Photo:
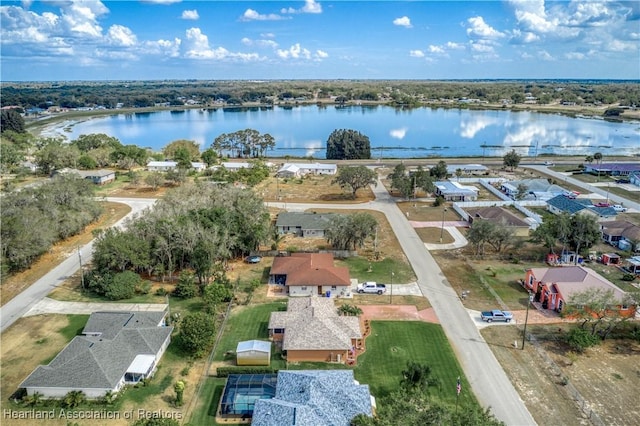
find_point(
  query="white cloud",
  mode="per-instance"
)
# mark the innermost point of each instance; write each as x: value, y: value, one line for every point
x: 454, y: 46
x: 81, y: 17
x: 435, y: 49
x: 398, y: 133
x: 482, y: 46
x: 169, y: 48
x: 294, y: 52
x: 310, y: 6
x: 196, y: 46
x: 525, y: 37
x: 416, y: 53
x: 190, y: 15
x: 543, y: 55
x: 575, y: 56
x: 321, y: 54
x: 121, y: 36
x: 479, y: 28
x: 260, y: 42
x: 252, y: 15
x: 402, y: 22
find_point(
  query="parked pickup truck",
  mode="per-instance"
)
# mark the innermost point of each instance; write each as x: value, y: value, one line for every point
x: 496, y: 315
x: 372, y: 287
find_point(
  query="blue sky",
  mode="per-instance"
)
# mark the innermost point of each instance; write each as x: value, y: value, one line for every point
x: 313, y: 39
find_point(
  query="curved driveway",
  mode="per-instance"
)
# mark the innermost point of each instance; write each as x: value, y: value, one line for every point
x: 22, y: 303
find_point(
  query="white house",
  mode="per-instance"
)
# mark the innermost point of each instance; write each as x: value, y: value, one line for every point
x: 163, y: 166
x: 115, y: 349
x: 303, y: 169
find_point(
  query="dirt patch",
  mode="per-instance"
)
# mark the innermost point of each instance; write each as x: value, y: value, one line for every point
x: 16, y: 283
x: 25, y: 345
x: 607, y: 377
x: 397, y: 313
x: 309, y: 189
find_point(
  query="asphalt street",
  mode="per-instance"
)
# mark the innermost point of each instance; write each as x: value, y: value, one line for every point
x: 485, y: 375
x: 488, y: 380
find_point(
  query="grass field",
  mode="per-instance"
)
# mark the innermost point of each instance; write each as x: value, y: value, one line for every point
x: 393, y: 343
x: 246, y: 323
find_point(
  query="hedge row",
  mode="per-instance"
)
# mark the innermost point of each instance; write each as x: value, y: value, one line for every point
x: 225, y: 371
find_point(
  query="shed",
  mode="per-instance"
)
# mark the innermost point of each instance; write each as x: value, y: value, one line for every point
x: 610, y: 259
x: 253, y: 352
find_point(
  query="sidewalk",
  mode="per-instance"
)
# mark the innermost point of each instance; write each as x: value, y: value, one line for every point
x: 51, y: 306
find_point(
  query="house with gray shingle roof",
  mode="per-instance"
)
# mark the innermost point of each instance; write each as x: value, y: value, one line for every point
x: 303, y: 224
x: 563, y: 204
x: 537, y: 189
x: 314, y: 398
x: 614, y: 232
x: 454, y: 191
x: 115, y: 349
x: 312, y: 330
x: 500, y: 217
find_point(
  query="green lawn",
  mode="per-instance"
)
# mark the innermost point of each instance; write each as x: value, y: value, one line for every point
x: 246, y: 323
x: 210, y: 394
x: 393, y: 343
x: 380, y: 271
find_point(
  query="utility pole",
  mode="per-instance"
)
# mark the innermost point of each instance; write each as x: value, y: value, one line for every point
x: 81, y: 269
x: 526, y: 318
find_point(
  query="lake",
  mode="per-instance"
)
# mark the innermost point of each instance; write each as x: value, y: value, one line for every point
x: 394, y: 133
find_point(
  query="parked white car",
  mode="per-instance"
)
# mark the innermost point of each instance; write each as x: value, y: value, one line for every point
x: 619, y: 209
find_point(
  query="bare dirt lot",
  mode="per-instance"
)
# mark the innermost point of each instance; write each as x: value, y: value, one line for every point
x: 309, y: 189
x: 607, y: 377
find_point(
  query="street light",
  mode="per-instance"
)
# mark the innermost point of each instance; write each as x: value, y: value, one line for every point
x: 526, y: 318
x: 442, y: 227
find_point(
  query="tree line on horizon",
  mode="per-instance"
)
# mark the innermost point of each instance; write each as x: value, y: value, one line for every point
x: 141, y: 94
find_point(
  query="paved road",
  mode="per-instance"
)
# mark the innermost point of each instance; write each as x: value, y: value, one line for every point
x: 485, y: 375
x: 22, y: 303
x: 488, y: 380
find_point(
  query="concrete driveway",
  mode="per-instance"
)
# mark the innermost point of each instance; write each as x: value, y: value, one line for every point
x: 52, y: 306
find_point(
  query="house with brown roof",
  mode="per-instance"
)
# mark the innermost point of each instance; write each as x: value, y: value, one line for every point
x: 554, y: 287
x: 308, y: 274
x: 501, y: 217
x: 312, y: 330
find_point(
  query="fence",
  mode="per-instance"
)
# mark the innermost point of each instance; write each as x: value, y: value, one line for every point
x: 567, y: 386
x: 338, y: 254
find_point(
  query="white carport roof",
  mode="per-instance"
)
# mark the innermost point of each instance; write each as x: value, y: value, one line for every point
x: 141, y: 364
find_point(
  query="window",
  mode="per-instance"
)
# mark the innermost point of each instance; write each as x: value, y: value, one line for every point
x: 333, y: 287
x: 303, y: 288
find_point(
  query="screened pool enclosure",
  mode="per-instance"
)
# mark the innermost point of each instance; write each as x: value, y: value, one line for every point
x: 243, y: 390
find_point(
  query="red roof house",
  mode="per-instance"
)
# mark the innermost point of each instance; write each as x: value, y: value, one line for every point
x: 306, y: 274
x: 554, y: 287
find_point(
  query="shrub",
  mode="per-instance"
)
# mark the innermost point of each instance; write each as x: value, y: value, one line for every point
x: 225, y: 371
x: 580, y: 339
x: 628, y: 277
x: 123, y: 286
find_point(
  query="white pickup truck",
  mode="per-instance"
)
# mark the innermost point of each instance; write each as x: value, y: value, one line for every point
x: 372, y: 287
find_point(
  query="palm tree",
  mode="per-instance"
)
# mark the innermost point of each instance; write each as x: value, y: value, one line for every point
x: 598, y: 157
x: 73, y: 399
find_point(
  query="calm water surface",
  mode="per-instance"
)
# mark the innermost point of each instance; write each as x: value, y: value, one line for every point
x: 422, y: 132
